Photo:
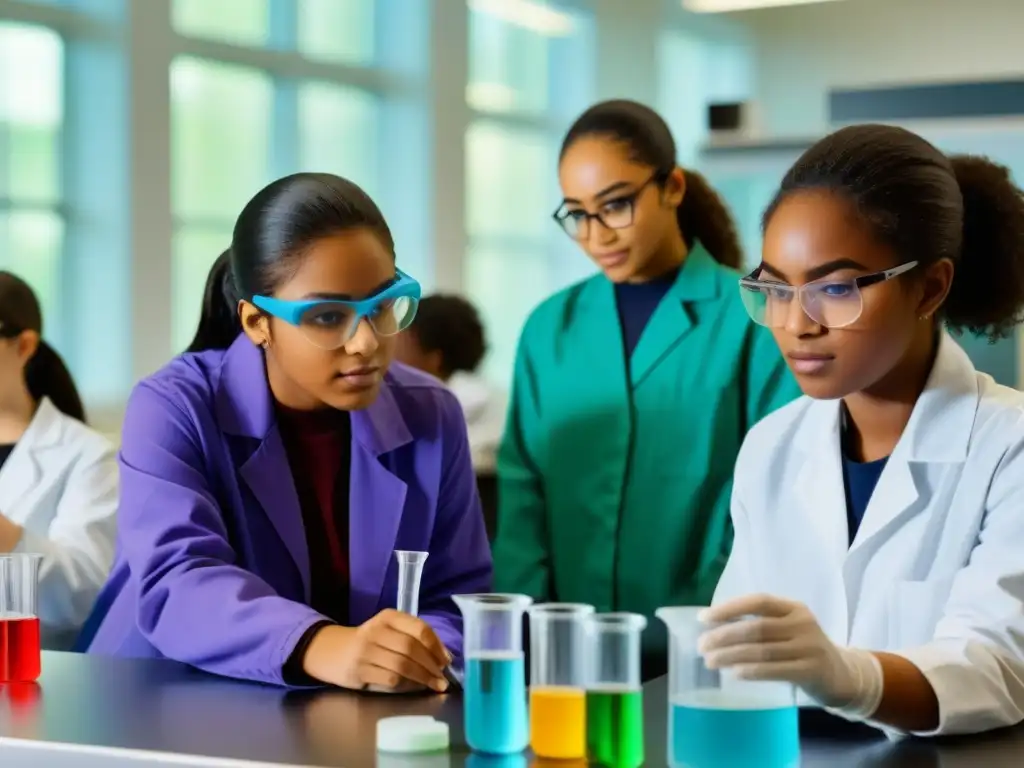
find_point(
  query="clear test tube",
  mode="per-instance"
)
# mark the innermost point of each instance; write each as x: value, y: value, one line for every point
x: 615, y: 699
x: 410, y: 571
x: 716, y: 718
x: 558, y: 678
x: 20, y: 642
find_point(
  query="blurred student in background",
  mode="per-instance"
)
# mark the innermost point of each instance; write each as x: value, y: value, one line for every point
x: 58, y: 478
x: 270, y: 473
x: 446, y: 339
x: 633, y: 389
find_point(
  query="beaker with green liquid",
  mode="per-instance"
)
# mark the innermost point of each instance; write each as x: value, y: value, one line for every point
x: 615, y: 699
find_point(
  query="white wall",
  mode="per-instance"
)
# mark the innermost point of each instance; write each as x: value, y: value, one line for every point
x: 803, y: 51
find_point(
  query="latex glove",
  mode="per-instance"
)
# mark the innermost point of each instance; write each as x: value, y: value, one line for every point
x: 760, y: 637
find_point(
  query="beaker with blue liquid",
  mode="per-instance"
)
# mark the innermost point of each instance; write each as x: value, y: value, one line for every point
x: 716, y: 719
x: 494, y: 686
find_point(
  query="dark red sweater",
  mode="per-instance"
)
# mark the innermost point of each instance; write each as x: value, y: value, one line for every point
x: 319, y: 450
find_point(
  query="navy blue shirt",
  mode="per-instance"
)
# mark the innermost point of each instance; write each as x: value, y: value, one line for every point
x: 860, y: 479
x: 636, y: 303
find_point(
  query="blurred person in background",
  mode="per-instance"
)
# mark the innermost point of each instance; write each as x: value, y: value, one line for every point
x: 446, y: 339
x: 58, y: 477
x: 270, y: 472
x: 634, y: 389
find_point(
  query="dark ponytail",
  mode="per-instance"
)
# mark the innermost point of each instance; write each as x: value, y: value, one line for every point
x: 702, y: 215
x: 45, y: 372
x: 272, y: 232
x: 219, y: 325
x: 47, y: 376
x: 927, y: 206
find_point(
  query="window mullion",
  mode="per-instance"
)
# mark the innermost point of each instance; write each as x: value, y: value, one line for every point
x: 284, y: 130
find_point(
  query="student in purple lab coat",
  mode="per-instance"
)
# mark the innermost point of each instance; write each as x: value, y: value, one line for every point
x: 269, y: 473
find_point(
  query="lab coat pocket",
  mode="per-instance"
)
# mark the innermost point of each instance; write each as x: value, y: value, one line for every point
x: 916, y: 609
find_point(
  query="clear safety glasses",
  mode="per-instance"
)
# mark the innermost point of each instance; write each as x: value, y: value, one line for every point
x: 331, y: 323
x: 828, y: 302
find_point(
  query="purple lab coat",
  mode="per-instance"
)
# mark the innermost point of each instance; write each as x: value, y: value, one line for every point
x: 212, y: 566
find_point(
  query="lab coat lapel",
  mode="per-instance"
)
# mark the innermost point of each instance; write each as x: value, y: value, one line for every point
x: 22, y: 470
x: 893, y: 496
x: 820, y: 487
x: 376, y: 500
x: 674, y: 318
x: 244, y: 408
x: 595, y: 343
x: 267, y: 474
x: 939, y: 431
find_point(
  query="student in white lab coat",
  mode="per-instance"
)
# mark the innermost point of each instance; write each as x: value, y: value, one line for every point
x: 447, y: 340
x: 58, y: 478
x: 878, y: 561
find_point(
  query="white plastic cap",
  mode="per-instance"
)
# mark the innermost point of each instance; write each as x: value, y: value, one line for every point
x: 411, y: 734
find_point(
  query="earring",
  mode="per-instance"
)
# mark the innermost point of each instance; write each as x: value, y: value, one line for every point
x: 265, y: 344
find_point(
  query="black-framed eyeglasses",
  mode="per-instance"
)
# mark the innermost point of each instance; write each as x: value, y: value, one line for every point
x: 614, y: 213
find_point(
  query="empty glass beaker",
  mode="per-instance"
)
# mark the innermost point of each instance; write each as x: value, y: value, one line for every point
x: 20, y: 655
x: 615, y: 699
x: 410, y: 571
x: 494, y: 686
x: 716, y: 719
x: 558, y: 680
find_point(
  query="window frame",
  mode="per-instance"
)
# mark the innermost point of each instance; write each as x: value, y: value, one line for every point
x: 568, y: 95
x: 288, y: 69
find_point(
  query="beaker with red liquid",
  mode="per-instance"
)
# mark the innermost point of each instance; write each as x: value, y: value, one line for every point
x: 20, y: 651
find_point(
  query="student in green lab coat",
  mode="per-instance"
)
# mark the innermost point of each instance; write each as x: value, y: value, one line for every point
x: 633, y: 389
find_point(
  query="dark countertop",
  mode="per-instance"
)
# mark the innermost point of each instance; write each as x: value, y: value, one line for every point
x: 163, y: 706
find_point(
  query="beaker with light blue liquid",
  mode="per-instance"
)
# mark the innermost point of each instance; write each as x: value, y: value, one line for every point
x: 716, y: 719
x: 494, y: 685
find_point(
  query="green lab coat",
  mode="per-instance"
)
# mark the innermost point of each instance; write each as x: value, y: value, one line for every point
x: 614, y: 479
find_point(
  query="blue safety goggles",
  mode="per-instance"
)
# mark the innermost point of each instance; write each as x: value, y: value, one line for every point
x: 331, y: 323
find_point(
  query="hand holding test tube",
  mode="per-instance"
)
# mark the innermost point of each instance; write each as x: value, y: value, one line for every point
x: 410, y: 571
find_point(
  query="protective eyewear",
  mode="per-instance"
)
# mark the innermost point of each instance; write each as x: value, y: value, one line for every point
x: 615, y: 213
x: 331, y: 323
x: 829, y: 303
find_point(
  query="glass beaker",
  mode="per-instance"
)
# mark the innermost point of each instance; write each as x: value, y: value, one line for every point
x: 558, y: 680
x: 494, y: 687
x: 20, y: 654
x: 716, y: 719
x: 410, y: 571
x: 615, y: 699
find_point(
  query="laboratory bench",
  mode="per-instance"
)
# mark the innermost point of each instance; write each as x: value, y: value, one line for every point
x: 97, y: 712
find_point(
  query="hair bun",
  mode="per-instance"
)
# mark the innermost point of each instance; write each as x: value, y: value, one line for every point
x: 992, y: 249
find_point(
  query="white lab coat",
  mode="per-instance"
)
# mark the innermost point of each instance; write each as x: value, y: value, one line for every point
x: 936, y: 572
x: 60, y: 484
x: 485, y: 409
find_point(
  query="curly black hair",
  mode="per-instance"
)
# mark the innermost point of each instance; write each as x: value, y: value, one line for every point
x: 450, y: 325
x: 928, y: 206
x: 703, y: 214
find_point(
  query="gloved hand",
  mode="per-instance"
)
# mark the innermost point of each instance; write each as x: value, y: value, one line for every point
x: 760, y: 637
